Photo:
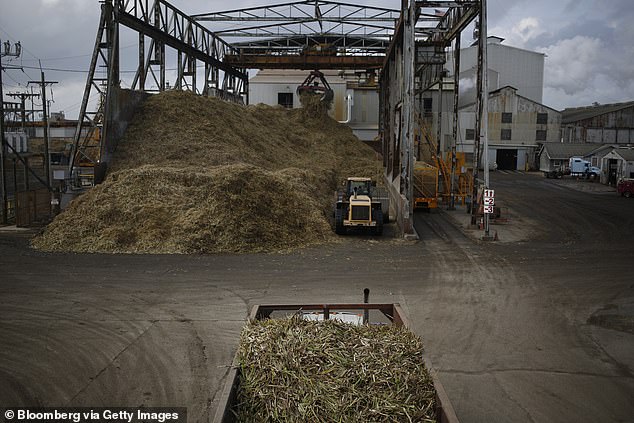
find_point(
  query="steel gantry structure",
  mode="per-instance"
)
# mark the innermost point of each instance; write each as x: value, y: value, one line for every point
x: 164, y: 25
x: 406, y: 46
x: 416, y: 62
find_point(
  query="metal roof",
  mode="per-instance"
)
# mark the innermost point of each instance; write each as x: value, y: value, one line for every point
x: 626, y: 153
x: 498, y: 92
x: 558, y: 150
x: 582, y: 113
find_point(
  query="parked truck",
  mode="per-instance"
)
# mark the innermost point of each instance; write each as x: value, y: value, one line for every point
x: 576, y: 167
x: 583, y: 168
x: 625, y: 187
x: 555, y: 172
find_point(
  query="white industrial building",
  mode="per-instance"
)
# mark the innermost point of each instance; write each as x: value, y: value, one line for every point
x: 355, y: 103
x: 507, y: 66
x: 517, y: 127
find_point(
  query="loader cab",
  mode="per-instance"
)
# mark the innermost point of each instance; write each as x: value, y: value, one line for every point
x: 360, y: 186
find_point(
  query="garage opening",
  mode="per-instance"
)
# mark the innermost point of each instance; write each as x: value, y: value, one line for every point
x: 506, y: 159
x: 613, y: 165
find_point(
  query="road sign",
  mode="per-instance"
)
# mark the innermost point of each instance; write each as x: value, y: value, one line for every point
x: 489, y: 201
x: 488, y: 209
x: 489, y: 193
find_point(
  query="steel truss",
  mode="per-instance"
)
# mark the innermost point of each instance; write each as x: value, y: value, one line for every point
x: 278, y: 36
x: 164, y: 26
x: 304, y: 18
x: 415, y: 62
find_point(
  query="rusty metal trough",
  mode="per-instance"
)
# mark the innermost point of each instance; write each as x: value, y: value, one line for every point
x: 387, y: 313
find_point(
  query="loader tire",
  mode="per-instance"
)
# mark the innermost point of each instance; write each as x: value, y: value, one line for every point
x: 339, y: 228
x: 378, y: 218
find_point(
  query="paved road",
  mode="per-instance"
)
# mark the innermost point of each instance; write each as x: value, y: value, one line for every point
x: 519, y: 345
x: 541, y: 330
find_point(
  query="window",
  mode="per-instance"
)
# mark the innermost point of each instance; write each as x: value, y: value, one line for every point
x: 285, y: 99
x: 427, y: 105
x: 540, y: 135
x: 542, y: 118
x: 505, y: 134
x: 470, y: 134
x: 507, y: 117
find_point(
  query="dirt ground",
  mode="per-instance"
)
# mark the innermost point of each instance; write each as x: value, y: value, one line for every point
x: 536, y: 329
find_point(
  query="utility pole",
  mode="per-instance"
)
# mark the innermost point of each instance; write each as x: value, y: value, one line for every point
x: 456, y: 87
x: 5, y: 50
x: 23, y: 97
x: 47, y: 159
x: 481, y: 145
x: 439, y: 128
x: 485, y: 108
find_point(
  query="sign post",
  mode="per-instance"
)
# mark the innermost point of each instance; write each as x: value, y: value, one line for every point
x: 488, y: 203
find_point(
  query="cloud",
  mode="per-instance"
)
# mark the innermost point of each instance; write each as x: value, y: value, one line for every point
x: 523, y: 33
x: 588, y: 42
x: 526, y: 30
x: 573, y: 63
x: 582, y: 70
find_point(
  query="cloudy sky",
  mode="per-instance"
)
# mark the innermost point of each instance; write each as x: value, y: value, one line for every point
x: 588, y: 43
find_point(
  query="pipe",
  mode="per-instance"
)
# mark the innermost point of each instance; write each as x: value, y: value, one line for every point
x: 349, y: 103
x: 366, y: 312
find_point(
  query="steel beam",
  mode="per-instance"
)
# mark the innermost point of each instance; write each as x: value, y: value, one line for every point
x: 82, y: 144
x: 305, y: 62
x: 205, y: 55
x: 349, y: 44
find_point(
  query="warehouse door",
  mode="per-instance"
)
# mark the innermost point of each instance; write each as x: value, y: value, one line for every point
x: 613, y: 166
x: 506, y: 159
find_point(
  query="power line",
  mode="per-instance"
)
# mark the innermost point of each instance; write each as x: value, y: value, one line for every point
x: 57, y: 69
x: 85, y: 71
x: 52, y: 59
x: 11, y: 78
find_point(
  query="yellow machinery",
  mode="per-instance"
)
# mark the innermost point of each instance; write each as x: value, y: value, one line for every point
x: 463, y: 182
x: 425, y: 186
x: 463, y: 187
x: 356, y: 208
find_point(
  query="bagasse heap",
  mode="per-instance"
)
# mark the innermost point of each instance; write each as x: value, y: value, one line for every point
x: 200, y: 175
x: 294, y: 370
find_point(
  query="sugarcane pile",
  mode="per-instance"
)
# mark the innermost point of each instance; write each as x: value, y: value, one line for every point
x: 294, y: 370
x: 200, y: 175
